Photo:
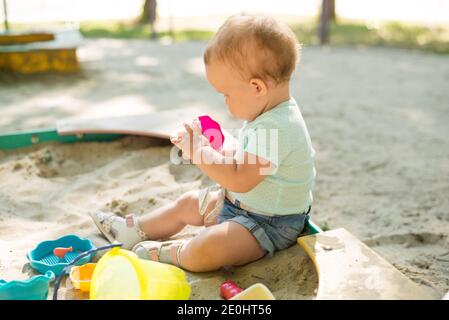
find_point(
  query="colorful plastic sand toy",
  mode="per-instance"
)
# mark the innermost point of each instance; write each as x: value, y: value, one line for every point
x: 61, y: 252
x: 257, y: 291
x: 120, y: 274
x: 45, y: 258
x: 212, y: 130
x: 35, y: 288
x: 75, y: 262
x: 229, y: 289
x: 81, y: 276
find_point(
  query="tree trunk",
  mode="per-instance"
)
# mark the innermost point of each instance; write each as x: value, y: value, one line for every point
x: 5, y: 11
x: 323, y: 28
x: 149, y: 12
x: 332, y: 15
x: 149, y: 15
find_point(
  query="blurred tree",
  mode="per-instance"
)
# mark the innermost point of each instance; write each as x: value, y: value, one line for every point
x: 332, y: 15
x: 327, y: 15
x: 149, y: 15
x: 5, y: 11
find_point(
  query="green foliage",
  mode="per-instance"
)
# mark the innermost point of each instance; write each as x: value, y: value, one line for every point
x: 138, y: 31
x: 388, y: 34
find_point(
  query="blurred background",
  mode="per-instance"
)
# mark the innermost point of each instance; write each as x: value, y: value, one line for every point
x: 411, y: 24
x: 372, y: 86
x: 113, y: 52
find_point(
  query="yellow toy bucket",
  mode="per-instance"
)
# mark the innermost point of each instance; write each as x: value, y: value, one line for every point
x: 120, y: 274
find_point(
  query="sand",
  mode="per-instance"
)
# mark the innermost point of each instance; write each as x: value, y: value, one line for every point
x: 58, y: 185
x: 378, y: 121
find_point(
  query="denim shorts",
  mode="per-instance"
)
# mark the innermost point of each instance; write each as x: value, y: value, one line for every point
x: 272, y: 232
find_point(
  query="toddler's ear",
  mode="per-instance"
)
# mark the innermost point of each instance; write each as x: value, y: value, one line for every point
x: 259, y: 86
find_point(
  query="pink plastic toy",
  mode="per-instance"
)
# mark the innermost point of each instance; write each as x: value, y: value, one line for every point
x: 212, y: 130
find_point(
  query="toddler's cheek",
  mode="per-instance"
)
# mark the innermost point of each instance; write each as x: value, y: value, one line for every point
x: 236, y: 111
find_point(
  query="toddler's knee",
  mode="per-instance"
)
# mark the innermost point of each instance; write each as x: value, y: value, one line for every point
x: 211, y: 246
x: 188, y: 199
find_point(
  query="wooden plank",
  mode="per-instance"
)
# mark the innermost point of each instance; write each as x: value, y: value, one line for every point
x: 9, y: 39
x: 160, y: 124
x: 63, y: 39
x: 28, y: 57
x: 348, y: 269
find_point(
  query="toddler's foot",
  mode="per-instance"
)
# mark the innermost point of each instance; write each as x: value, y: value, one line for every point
x: 114, y: 228
x: 160, y: 251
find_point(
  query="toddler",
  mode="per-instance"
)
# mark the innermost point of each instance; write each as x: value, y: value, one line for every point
x: 264, y: 186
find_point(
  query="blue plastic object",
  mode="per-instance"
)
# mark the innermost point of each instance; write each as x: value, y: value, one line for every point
x: 35, y: 288
x: 42, y: 258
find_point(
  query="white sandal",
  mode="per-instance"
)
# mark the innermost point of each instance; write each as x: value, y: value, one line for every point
x: 105, y: 220
x: 160, y: 251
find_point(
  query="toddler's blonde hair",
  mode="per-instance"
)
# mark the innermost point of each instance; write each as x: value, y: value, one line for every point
x: 258, y: 46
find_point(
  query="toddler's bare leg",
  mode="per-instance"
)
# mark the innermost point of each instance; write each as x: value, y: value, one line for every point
x: 225, y: 244
x: 168, y: 220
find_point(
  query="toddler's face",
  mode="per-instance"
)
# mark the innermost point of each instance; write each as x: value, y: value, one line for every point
x: 241, y: 98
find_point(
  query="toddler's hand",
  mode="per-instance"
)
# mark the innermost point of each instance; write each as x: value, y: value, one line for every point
x: 191, y: 140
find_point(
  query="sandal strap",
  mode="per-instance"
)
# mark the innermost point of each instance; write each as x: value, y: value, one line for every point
x: 131, y: 222
x: 165, y: 252
x: 153, y: 254
x: 174, y: 252
x: 107, y: 219
x: 107, y: 223
x: 152, y: 248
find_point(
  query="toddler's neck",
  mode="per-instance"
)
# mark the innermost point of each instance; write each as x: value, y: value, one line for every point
x: 278, y: 94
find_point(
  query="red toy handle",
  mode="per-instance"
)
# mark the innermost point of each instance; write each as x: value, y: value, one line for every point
x: 228, y: 289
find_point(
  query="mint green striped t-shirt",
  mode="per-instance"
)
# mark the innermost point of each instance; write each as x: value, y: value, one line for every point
x: 280, y: 136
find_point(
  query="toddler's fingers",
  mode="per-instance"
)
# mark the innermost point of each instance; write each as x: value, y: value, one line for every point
x: 196, y: 127
x: 188, y: 128
x: 175, y: 140
x: 204, y: 141
x: 179, y: 136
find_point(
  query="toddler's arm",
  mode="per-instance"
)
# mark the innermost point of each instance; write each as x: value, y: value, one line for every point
x: 221, y: 166
x: 229, y: 150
